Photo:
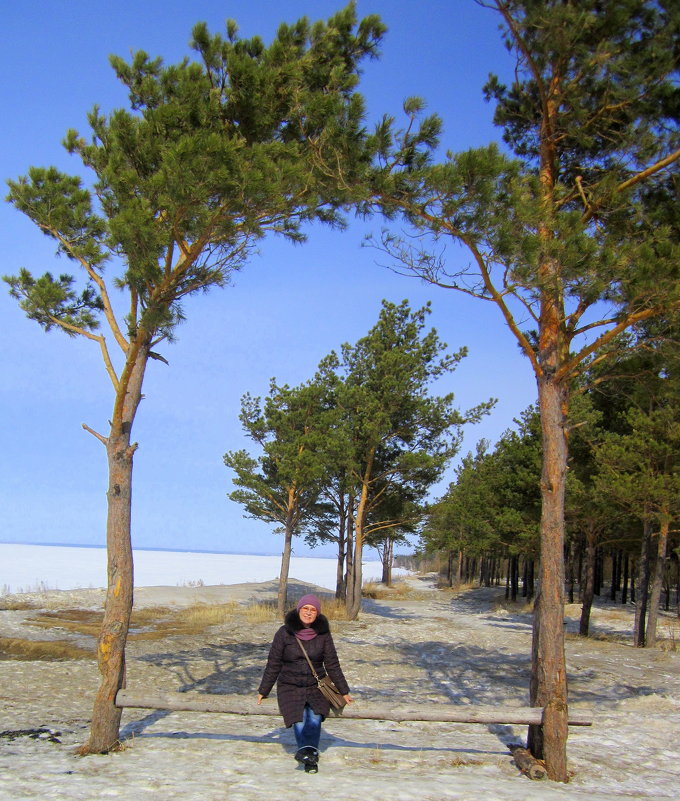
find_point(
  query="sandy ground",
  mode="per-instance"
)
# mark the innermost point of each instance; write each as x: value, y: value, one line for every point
x: 438, y: 648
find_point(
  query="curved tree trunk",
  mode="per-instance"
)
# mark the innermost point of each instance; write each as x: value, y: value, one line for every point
x: 548, y: 687
x: 104, y: 731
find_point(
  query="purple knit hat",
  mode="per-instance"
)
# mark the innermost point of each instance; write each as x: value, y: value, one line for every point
x: 309, y: 600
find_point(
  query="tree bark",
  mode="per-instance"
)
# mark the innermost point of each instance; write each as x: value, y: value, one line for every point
x: 354, y: 591
x: 340, y: 580
x: 349, y: 549
x: 105, y: 727
x: 282, y: 595
x: 589, y: 585
x: 571, y: 571
x: 642, y: 594
x: 387, y: 558
x: 548, y: 686
x: 514, y: 577
x: 659, y: 561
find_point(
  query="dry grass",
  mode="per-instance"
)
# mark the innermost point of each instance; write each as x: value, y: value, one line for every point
x: 41, y: 650
x: 600, y: 636
x: 459, y: 762
x: 519, y: 607
x: 156, y: 623
x: 16, y: 604
x: 80, y: 621
x: 399, y: 591
x: 332, y: 608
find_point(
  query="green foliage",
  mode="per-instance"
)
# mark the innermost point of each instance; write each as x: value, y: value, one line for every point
x: 47, y: 301
x: 582, y: 214
x: 213, y: 153
x: 363, y: 439
x: 283, y: 484
x: 494, y: 505
x: 399, y: 434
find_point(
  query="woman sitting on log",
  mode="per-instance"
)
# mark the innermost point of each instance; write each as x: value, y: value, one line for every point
x: 301, y: 703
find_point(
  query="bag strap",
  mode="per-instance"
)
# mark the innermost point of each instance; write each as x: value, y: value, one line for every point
x: 309, y: 661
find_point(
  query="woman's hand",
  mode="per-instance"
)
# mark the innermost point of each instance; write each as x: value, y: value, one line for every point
x: 348, y: 699
x: 260, y: 698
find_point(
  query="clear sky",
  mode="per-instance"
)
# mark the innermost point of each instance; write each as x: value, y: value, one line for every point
x: 287, y: 309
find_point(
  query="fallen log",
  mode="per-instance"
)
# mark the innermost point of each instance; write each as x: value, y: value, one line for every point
x: 359, y: 710
x: 527, y: 762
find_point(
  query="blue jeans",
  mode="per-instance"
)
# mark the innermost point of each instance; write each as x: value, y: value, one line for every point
x: 308, y: 730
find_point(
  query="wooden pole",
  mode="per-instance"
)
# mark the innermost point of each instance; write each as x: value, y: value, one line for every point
x: 360, y: 710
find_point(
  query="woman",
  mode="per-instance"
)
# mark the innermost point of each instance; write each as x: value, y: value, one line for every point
x: 301, y: 703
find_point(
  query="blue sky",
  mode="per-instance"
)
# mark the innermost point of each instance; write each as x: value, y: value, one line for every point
x: 287, y: 309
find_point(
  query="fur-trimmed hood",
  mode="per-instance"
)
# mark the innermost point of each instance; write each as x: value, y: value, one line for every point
x: 293, y: 623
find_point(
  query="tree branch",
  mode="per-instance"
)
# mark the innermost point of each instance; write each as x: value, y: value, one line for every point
x: 95, y: 434
x: 95, y: 338
x: 99, y: 281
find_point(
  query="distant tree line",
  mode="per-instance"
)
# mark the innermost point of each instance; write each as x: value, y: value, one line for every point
x: 622, y: 502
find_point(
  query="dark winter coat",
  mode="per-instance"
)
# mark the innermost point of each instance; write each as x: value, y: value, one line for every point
x: 287, y: 666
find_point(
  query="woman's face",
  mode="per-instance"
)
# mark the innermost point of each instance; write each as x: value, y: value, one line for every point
x: 308, y: 614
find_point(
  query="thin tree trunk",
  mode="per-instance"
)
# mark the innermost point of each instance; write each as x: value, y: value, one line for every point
x: 624, y: 583
x: 658, y: 563
x: 340, y: 585
x: 282, y: 596
x: 571, y: 571
x: 548, y: 687
x: 354, y: 592
x: 617, y: 568
x: 349, y: 550
x: 642, y: 593
x: 514, y: 577
x: 589, y: 584
x: 387, y: 557
x: 530, y: 580
x: 449, y: 569
x: 106, y: 716
x: 340, y: 588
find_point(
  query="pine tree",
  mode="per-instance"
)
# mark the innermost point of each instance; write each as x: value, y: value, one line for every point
x: 574, y: 239
x: 283, y: 485
x: 212, y: 154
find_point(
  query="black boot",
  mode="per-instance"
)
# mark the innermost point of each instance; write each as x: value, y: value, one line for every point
x: 309, y: 757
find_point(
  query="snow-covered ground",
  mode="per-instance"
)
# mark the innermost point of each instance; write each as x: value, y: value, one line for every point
x: 432, y: 649
x: 27, y: 568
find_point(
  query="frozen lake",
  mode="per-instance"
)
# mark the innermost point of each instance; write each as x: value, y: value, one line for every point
x: 28, y: 568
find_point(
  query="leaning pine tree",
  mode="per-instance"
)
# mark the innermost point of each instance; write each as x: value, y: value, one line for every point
x: 569, y: 238
x: 212, y: 154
